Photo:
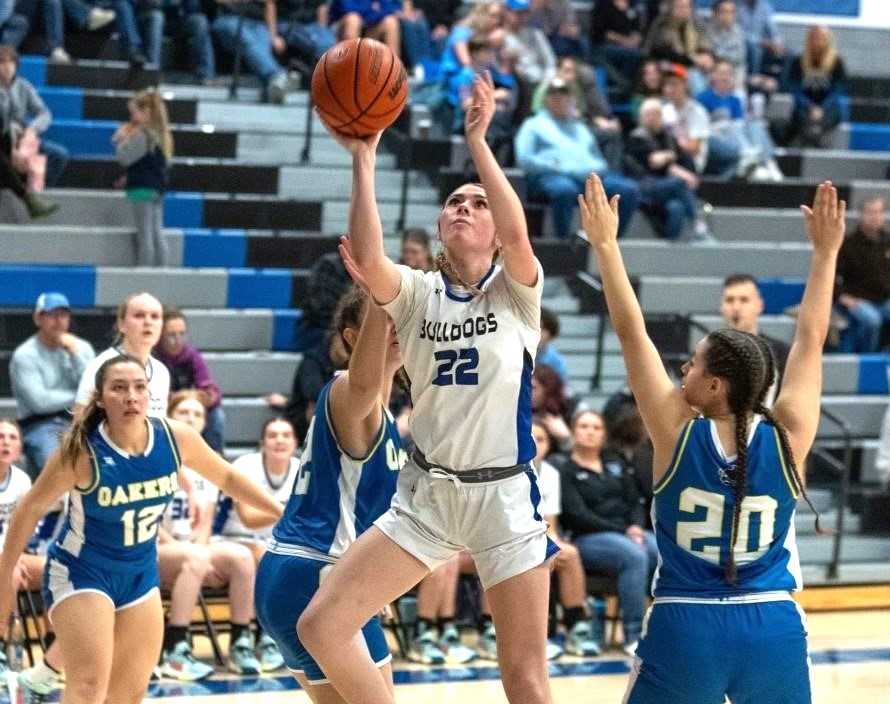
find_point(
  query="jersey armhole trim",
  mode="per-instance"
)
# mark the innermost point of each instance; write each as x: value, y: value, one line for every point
x: 786, y: 470
x: 678, y: 455
x: 94, y: 463
x: 380, y: 435
x: 173, y: 445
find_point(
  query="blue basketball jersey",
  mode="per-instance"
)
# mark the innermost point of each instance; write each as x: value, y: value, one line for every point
x: 693, y: 509
x: 113, y: 523
x: 336, y: 497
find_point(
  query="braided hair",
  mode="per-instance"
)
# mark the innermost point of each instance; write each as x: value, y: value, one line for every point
x: 747, y: 363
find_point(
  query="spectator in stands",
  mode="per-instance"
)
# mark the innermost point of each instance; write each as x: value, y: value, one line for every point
x: 436, y: 639
x: 45, y: 371
x: 191, y: 27
x: 689, y: 123
x: 328, y: 281
x: 863, y: 270
x: 729, y: 121
x: 550, y: 405
x: 144, y: 145
x: 547, y: 352
x: 140, y: 24
x: 616, y: 29
x: 188, y: 370
x: 241, y: 27
x: 666, y: 174
x: 591, y: 106
x: 377, y: 19
x: 649, y: 85
x: 627, y: 438
x: 416, y: 249
x: 741, y: 307
x: 25, y: 118
x: 764, y: 43
x: 559, y: 23
x: 188, y: 561
x: 484, y: 18
x: 603, y: 512
x: 419, y: 49
x: 300, y: 28
x: 13, y: 25
x: 818, y: 81
x: 557, y: 150
x: 676, y: 36
x: 138, y: 325
x: 535, y: 60
x: 727, y: 39
x: 52, y: 14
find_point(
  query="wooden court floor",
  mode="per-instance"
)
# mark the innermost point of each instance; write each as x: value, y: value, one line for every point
x: 851, y: 652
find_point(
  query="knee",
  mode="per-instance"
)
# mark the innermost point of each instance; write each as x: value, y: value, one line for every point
x: 351, y: 25
x: 310, y: 626
x: 197, y: 563
x: 526, y: 681
x: 243, y: 562
x: 389, y: 25
x: 85, y: 686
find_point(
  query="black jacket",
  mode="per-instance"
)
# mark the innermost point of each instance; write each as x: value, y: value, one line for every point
x: 594, y: 502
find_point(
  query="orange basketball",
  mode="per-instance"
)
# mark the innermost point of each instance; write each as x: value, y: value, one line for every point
x: 359, y: 87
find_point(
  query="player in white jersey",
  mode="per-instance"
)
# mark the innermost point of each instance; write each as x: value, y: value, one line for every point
x: 139, y: 324
x: 188, y: 561
x: 468, y: 351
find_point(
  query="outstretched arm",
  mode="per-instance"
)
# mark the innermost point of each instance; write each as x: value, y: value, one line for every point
x: 365, y: 229
x: 660, y: 402
x: 797, y: 407
x: 506, y: 208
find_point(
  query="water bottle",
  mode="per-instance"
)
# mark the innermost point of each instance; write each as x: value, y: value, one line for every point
x: 596, y: 605
x: 16, y: 646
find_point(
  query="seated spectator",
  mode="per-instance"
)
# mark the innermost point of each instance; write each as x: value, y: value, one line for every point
x: 416, y: 250
x: 191, y: 27
x: 188, y: 561
x: 14, y: 26
x: 765, y: 48
x: 591, y: 105
x: 603, y: 512
x: 372, y: 18
x: 729, y: 121
x: 328, y: 281
x: 188, y: 370
x: 535, y: 60
x: 627, y: 438
x: 25, y: 118
x: 689, y: 123
x: 558, y: 152
x: 616, y: 29
x: 45, y: 371
x: 676, y: 36
x: 863, y: 270
x: 547, y: 352
x: 483, y: 19
x: 436, y: 639
x: 550, y: 406
x: 727, y: 39
x: 818, y: 81
x: 81, y: 15
x: 666, y: 175
x: 420, y: 52
x: 559, y: 23
x: 140, y: 25
x: 650, y: 84
x: 255, y: 42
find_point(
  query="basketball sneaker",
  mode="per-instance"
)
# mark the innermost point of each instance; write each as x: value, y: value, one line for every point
x: 271, y: 658
x: 630, y: 648
x: 456, y: 653
x: 554, y: 650
x: 241, y: 657
x: 181, y: 665
x: 425, y: 650
x: 4, y: 669
x: 487, y: 647
x: 580, y: 641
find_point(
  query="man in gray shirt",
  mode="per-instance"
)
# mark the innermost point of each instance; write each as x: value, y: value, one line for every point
x: 45, y: 371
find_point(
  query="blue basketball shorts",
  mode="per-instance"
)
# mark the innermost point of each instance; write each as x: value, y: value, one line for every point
x: 65, y: 575
x: 699, y: 653
x: 285, y: 585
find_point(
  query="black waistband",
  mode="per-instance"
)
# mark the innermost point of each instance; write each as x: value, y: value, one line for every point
x: 472, y: 476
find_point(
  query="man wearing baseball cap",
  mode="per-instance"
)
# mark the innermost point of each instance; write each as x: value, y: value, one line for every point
x: 45, y: 371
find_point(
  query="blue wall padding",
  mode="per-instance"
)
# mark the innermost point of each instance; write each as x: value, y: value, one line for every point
x: 873, y: 374
x: 34, y: 69
x: 869, y: 137
x: 63, y: 102
x: 84, y: 137
x: 226, y: 248
x: 183, y: 209
x: 21, y: 284
x: 779, y: 294
x: 259, y: 288
x: 285, y: 330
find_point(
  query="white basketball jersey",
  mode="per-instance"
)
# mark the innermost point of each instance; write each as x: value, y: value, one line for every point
x: 470, y: 361
x: 12, y: 488
x: 177, y: 520
x: 280, y: 487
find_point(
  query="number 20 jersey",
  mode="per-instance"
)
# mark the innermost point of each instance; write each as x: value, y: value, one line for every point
x: 470, y: 361
x: 693, y: 509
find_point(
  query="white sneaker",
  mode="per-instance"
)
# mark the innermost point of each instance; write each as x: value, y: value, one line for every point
x: 630, y: 648
x: 774, y: 171
x: 59, y: 56
x: 554, y: 650
x: 99, y: 17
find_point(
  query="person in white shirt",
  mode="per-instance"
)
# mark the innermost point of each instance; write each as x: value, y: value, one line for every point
x: 139, y: 324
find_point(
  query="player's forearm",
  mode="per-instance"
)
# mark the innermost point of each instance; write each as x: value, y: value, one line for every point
x: 625, y: 314
x: 244, y: 491
x: 506, y: 208
x: 815, y: 308
x: 368, y: 361
x: 365, y: 229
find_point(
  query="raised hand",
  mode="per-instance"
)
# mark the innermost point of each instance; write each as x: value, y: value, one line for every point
x: 481, y: 110
x: 599, y: 215
x: 826, y: 221
x: 354, y: 145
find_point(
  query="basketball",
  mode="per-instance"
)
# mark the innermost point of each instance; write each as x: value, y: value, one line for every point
x: 359, y: 87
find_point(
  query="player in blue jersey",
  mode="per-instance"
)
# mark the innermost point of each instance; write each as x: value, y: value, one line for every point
x: 726, y: 483
x: 347, y: 476
x: 119, y: 468
x: 468, y: 334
